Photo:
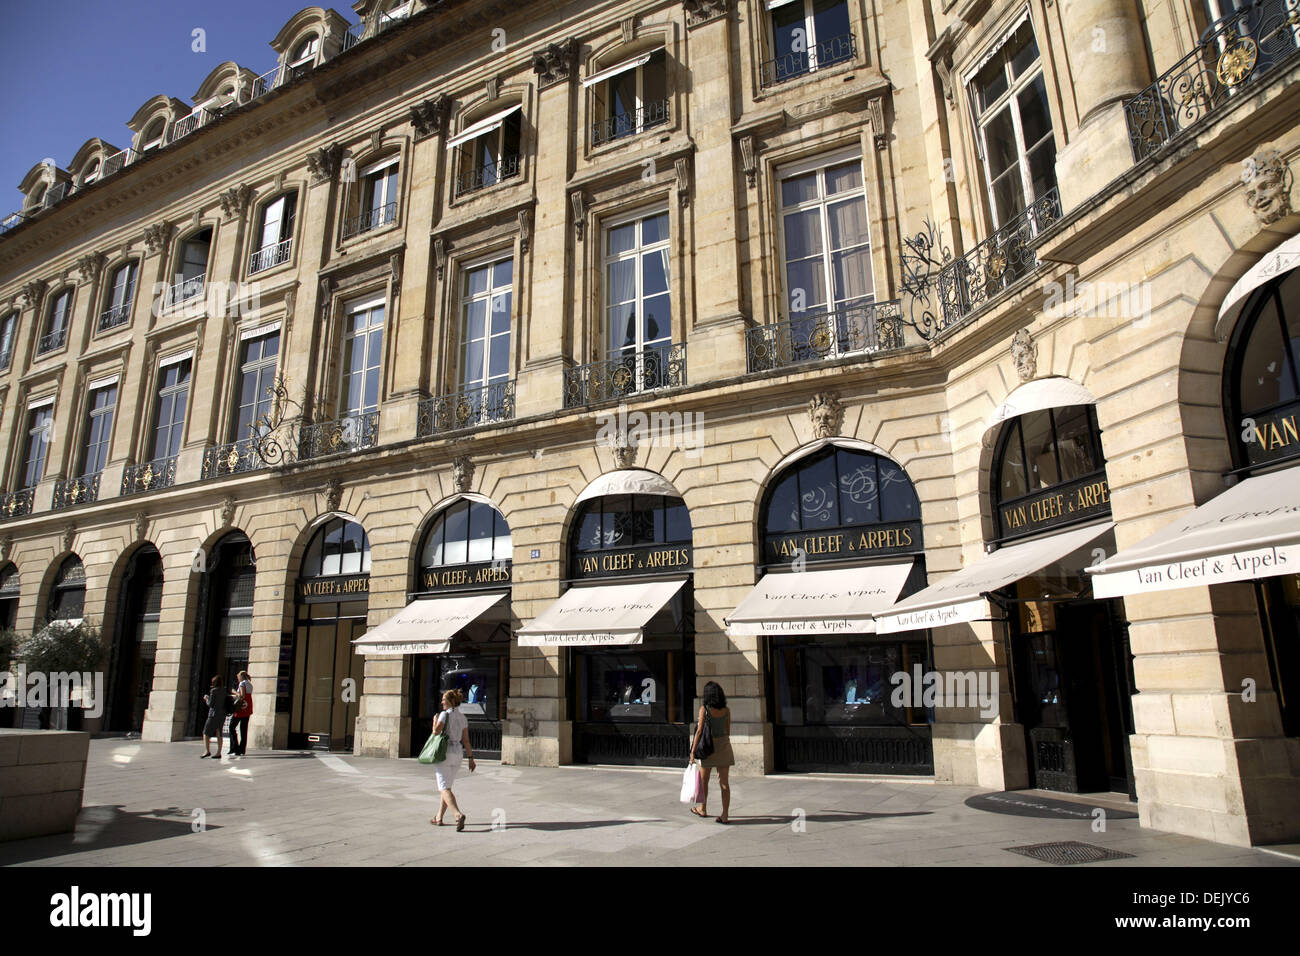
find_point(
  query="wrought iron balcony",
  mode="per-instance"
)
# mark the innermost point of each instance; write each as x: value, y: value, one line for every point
x: 481, y: 405
x: 16, y: 504
x: 11, y: 221
x: 629, y: 124
x: 117, y: 161
x: 273, y: 255
x: 354, y: 35
x: 186, y: 289
x: 114, y: 316
x: 70, y: 492
x: 996, y: 264
x: 863, y: 329
x: 661, y: 366
x: 265, y: 83
x: 472, y: 180
x: 188, y: 124
x: 149, y: 476
x: 232, y: 459
x: 370, y: 219
x: 341, y: 435
x: 1235, y: 53
x: 52, y: 340
x: 826, y: 53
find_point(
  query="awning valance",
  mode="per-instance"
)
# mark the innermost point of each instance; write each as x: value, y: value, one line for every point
x: 1250, y: 531
x: 426, y: 626
x: 623, y: 67
x: 960, y: 596
x: 1053, y: 392
x: 839, y: 601
x: 633, y: 481
x: 1280, y: 261
x: 482, y: 126
x: 599, y: 614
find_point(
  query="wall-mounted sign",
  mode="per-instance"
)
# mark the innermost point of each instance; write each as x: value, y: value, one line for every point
x: 459, y: 576
x: 663, y: 557
x: 1271, y: 436
x: 835, y: 545
x: 1059, y: 505
x: 341, y: 588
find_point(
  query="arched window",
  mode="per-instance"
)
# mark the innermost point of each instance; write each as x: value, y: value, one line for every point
x: 153, y: 135
x: 304, y: 54
x: 614, y: 522
x: 840, y: 503
x: 91, y: 174
x: 9, y: 590
x: 1263, y: 380
x: 1052, y: 448
x: 339, y: 547
x: 68, y: 595
x: 468, y: 532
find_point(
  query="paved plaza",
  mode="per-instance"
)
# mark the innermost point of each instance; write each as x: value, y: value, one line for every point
x: 158, y: 804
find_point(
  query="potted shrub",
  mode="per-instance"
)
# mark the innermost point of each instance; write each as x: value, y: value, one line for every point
x: 61, y: 647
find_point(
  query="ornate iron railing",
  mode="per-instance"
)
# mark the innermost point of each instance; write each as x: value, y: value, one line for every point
x: 55, y: 194
x: 234, y: 458
x: 341, y: 435
x: 188, y: 124
x: 862, y: 329
x: 185, y: 290
x: 265, y: 83
x: 16, y: 504
x: 117, y: 161
x: 149, y: 476
x: 370, y: 219
x: 70, y: 492
x: 114, y: 316
x: 467, y: 408
x: 661, y: 366
x: 52, y: 340
x: 629, y: 124
x: 273, y: 255
x: 1234, y: 53
x: 821, y: 55
x: 11, y: 221
x: 354, y: 35
x: 479, y: 178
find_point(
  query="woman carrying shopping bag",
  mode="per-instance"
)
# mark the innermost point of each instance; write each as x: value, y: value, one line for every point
x: 457, y: 728
x: 715, y: 722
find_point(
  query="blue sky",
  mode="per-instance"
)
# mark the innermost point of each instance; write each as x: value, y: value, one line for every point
x: 73, y: 69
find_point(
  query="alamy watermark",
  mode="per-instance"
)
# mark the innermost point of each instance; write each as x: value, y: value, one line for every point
x: 684, y: 430
x: 83, y: 690
x: 922, y: 688
x: 1114, y: 300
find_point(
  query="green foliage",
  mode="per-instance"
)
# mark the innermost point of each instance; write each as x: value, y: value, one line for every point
x: 58, y: 647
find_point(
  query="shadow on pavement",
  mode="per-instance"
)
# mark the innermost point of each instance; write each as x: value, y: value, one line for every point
x: 557, y: 825
x: 826, y: 816
x: 98, y: 828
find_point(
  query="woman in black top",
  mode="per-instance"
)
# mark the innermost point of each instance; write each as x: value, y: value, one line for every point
x: 216, y: 701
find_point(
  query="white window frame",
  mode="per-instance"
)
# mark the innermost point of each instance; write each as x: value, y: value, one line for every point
x: 161, y: 392
x: 34, y: 430
x: 810, y: 31
x: 255, y: 367
x: 351, y: 309
x: 146, y: 145
x: 8, y: 335
x: 309, y: 57
x: 92, y: 413
x: 602, y: 92
x: 615, y: 353
x: 484, y: 378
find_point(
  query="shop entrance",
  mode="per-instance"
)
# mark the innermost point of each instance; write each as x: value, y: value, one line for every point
x: 135, y: 642
x: 225, y: 619
x: 330, y: 613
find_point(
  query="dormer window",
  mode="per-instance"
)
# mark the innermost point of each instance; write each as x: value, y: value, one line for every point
x: 92, y: 173
x: 629, y: 98
x: 398, y: 10
x: 153, y: 135
x: 304, y: 56
x: 807, y: 35
x: 488, y: 150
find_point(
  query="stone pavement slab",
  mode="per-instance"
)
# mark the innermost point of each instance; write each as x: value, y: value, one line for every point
x: 149, y: 804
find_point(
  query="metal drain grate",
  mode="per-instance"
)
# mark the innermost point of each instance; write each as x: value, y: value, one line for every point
x: 1069, y: 853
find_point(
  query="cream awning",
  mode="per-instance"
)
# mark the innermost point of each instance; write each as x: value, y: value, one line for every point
x: 1250, y: 531
x: 1053, y: 392
x: 482, y: 126
x: 596, y: 614
x: 633, y: 481
x: 427, y: 625
x: 1280, y: 261
x: 623, y: 67
x: 960, y: 596
x: 840, y: 601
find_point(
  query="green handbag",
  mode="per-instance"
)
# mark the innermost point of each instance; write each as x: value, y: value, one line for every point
x: 435, y: 748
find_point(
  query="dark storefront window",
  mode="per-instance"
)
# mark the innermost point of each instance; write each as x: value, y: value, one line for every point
x: 68, y: 596
x: 226, y: 613
x: 135, y: 643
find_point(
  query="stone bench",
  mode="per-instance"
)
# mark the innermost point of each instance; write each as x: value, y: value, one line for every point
x: 42, y: 776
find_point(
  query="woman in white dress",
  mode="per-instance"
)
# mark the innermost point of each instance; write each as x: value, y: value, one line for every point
x: 457, y: 748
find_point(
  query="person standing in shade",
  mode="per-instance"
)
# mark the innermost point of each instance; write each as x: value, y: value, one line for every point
x: 243, y: 711
x: 457, y: 748
x: 718, y: 714
x: 215, y: 698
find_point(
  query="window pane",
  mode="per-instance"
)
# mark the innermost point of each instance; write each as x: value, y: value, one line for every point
x: 654, y: 273
x: 1074, y: 442
x: 1000, y: 140
x: 799, y: 189
x: 501, y: 312
x: 1039, y: 448
x: 819, y: 501
x: 990, y: 83
x: 899, y: 501
x: 654, y: 229
x: 1035, y: 118
x: 621, y: 239
x: 456, y: 548
x: 657, y: 319
x: 842, y: 178
x: 803, y: 234
x: 806, y: 285
x: 1266, y: 374
x: 1011, y: 481
x: 859, y: 488
x: 1022, y: 50
x: 852, y: 275
x: 848, y: 223
x: 830, y: 20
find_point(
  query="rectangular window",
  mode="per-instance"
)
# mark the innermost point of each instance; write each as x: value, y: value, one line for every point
x: 275, y: 233
x: 807, y: 35
x: 257, y: 364
x: 379, y: 196
x: 630, y: 98
x: 120, y: 296
x: 56, y: 322
x: 40, y: 422
x: 99, y: 429
x: 363, y: 349
x: 173, y: 397
x: 488, y: 150
x: 485, y: 323
x: 1009, y: 98
x: 8, y: 331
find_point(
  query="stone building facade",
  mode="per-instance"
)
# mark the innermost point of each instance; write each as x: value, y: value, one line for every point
x: 581, y: 269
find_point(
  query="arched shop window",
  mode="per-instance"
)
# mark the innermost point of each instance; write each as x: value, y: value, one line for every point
x: 1048, y: 471
x: 225, y: 616
x: 466, y: 550
x: 1263, y: 380
x: 135, y: 643
x: 68, y: 595
x: 829, y: 693
x: 9, y: 590
x: 623, y: 523
x: 340, y: 547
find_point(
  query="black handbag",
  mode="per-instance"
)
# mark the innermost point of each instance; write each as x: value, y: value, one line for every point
x: 704, y: 746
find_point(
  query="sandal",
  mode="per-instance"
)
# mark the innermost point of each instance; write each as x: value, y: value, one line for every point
x: 436, y: 821
x: 460, y: 823
x: 720, y: 820
x: 698, y: 812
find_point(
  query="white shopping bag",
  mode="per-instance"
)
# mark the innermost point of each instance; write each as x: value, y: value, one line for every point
x: 689, y: 783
